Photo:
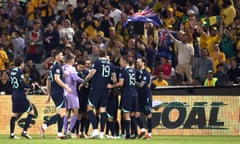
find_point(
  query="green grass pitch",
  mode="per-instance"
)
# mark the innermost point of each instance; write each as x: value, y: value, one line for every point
x: 155, y: 140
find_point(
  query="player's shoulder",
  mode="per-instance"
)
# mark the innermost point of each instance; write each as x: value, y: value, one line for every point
x: 15, y: 71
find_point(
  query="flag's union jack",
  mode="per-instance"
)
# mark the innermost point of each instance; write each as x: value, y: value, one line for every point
x: 146, y: 15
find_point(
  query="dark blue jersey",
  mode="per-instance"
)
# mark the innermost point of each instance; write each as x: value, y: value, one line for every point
x: 129, y: 76
x: 143, y: 76
x: 56, y: 69
x: 83, y: 74
x: 104, y: 70
x: 17, y: 80
x: 84, y: 89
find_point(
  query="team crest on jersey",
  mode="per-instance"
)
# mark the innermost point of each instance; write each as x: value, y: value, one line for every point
x: 58, y: 71
x: 140, y: 76
x: 144, y: 78
x: 22, y: 76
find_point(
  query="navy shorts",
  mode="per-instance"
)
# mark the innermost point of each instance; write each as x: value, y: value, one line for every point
x: 129, y: 103
x: 58, y: 100
x: 98, y: 97
x: 83, y: 101
x: 112, y: 106
x: 20, y: 103
x: 144, y: 104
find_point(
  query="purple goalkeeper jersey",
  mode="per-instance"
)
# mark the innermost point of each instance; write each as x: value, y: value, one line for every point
x: 71, y: 78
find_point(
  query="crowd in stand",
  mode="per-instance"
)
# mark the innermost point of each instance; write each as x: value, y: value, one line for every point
x: 198, y: 43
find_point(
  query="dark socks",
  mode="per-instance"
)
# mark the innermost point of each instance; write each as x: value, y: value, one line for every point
x: 87, y: 125
x: 53, y: 119
x: 111, y: 127
x: 107, y: 127
x: 76, y: 127
x: 92, y: 118
x: 133, y: 125
x: 60, y: 124
x: 103, y: 121
x: 149, y: 124
x: 28, y: 121
x: 127, y: 127
x: 82, y: 123
x: 139, y: 122
x: 12, y: 124
x: 116, y: 125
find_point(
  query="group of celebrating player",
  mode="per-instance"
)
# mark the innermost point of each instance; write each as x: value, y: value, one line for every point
x: 91, y: 95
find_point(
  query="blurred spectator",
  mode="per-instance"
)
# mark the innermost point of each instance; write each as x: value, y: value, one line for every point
x: 69, y: 12
x: 78, y: 12
x: 31, y: 13
x: 3, y: 58
x: 100, y: 40
x: 217, y: 56
x: 51, y: 40
x: 228, y: 11
x: 95, y: 53
x: 91, y: 4
x: 100, y: 12
x: 115, y: 13
x: 234, y: 72
x: 61, y: 5
x: 46, y: 10
x: 190, y: 22
x: 121, y: 29
x: 164, y: 67
x: 66, y: 33
x: 223, y: 78
x: 115, y: 56
x: 19, y: 19
x: 208, y: 40
x: 159, y: 81
x: 214, y: 7
x: 105, y: 22
x: 227, y: 43
x: 34, y: 41
x: 11, y: 9
x: 113, y: 37
x: 202, y: 66
x: 48, y: 61
x: 151, y: 53
x: 89, y: 24
x: 170, y: 19
x: 18, y: 44
x: 210, y: 81
x: 31, y: 74
x: 5, y: 84
x: 61, y: 16
x: 185, y: 56
x: 81, y: 41
x: 5, y: 42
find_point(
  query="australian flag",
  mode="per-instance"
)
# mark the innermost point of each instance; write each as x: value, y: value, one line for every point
x: 146, y: 15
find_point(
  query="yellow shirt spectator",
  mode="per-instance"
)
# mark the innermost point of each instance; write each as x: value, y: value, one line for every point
x: 229, y: 14
x: 3, y: 59
x: 50, y: 4
x: 30, y: 11
x: 208, y: 41
x: 217, y: 56
x: 160, y: 81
